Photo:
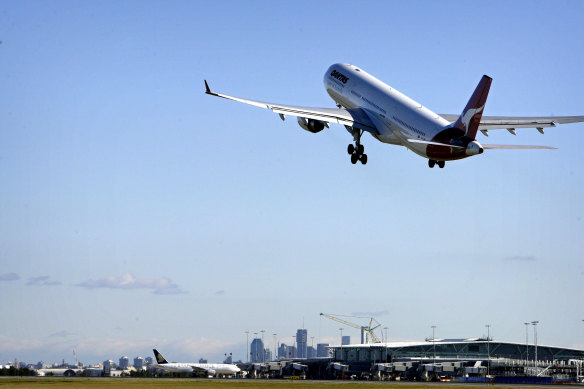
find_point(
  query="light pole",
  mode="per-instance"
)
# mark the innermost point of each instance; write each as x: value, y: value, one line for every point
x: 341, y: 329
x: 247, y: 345
x: 386, y: 341
x: 526, y: 344
x: 313, y: 350
x: 488, y: 348
x: 434, y: 348
x: 578, y: 366
x: 535, y: 340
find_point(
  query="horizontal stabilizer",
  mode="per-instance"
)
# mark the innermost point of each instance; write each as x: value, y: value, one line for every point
x: 518, y: 147
x: 435, y: 143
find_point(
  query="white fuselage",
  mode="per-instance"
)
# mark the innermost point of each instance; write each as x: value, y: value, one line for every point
x: 212, y: 368
x: 401, y: 117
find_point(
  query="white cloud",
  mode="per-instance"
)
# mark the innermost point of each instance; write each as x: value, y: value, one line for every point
x: 42, y: 281
x: 9, y: 277
x: 161, y: 285
x: 98, y: 348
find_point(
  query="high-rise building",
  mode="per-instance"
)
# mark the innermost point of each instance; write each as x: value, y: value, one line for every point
x: 202, y: 360
x: 108, y: 366
x: 322, y: 350
x: 346, y: 340
x: 301, y: 338
x: 310, y: 352
x: 257, y: 350
x: 283, y: 351
x: 124, y: 362
x: 138, y: 363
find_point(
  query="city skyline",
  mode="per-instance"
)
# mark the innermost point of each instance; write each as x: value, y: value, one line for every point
x: 136, y: 212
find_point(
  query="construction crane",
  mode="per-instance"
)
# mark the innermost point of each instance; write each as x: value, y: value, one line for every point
x: 364, y: 329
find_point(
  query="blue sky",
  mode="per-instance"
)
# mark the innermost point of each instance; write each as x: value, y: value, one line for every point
x: 137, y: 212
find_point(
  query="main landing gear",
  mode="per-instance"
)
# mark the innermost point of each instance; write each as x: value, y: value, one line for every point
x: 357, y: 151
x: 432, y: 162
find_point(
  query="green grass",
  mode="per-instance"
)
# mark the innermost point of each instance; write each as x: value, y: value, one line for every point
x: 114, y: 383
x: 147, y: 383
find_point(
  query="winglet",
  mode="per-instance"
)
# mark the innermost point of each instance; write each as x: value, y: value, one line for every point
x: 470, y: 118
x: 208, y: 90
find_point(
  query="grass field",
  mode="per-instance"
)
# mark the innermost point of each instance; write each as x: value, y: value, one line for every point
x: 131, y: 383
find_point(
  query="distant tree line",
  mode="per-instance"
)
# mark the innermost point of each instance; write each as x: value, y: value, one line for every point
x: 141, y: 374
x: 13, y: 371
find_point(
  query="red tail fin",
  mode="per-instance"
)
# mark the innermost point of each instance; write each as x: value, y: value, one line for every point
x: 469, y: 120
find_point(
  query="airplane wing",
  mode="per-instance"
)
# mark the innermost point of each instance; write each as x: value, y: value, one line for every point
x: 201, y: 370
x: 510, y: 123
x: 357, y: 118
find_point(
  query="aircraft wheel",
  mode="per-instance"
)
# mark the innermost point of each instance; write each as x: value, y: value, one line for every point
x: 441, y: 164
x: 351, y: 149
x: 360, y: 149
x: 363, y: 159
x: 354, y: 158
x: 431, y: 163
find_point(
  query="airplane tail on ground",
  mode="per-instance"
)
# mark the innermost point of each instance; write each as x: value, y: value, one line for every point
x: 159, y: 358
x: 469, y: 120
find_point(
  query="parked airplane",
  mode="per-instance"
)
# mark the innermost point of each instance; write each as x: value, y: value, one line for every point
x: 365, y: 104
x: 208, y: 369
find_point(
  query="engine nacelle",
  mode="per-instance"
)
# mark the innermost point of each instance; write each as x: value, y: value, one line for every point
x: 474, y: 148
x: 311, y: 125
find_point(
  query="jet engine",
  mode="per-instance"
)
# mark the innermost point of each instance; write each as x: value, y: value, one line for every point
x: 311, y: 125
x: 474, y: 148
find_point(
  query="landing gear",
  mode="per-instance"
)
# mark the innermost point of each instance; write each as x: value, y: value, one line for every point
x: 440, y: 164
x: 357, y: 151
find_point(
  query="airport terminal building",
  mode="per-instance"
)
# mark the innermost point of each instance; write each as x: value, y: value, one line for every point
x: 465, y: 360
x: 470, y: 360
x: 453, y: 349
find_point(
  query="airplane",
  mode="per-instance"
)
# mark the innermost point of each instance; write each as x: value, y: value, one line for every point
x: 366, y: 104
x: 208, y: 369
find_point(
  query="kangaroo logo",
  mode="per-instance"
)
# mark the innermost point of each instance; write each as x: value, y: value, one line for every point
x: 468, y: 115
